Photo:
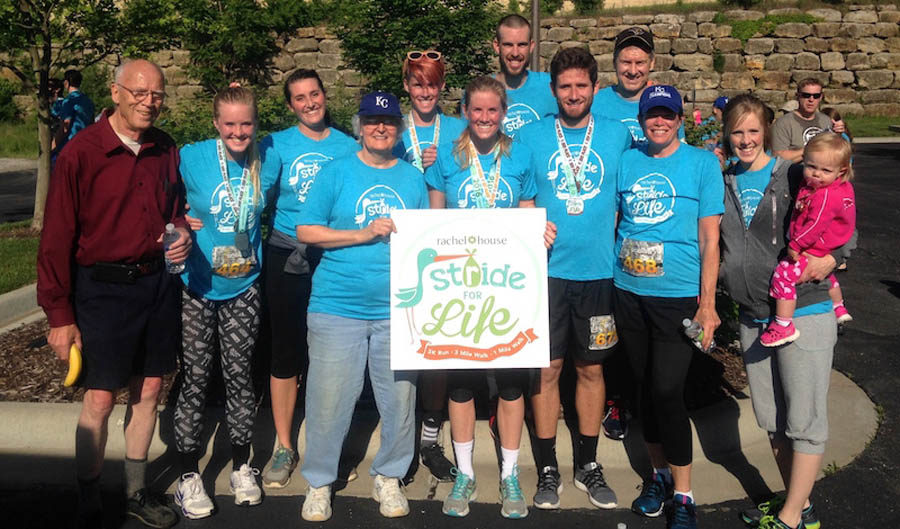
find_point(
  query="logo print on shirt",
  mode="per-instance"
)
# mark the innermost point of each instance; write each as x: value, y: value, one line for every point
x: 750, y: 199
x: 303, y: 173
x: 810, y: 133
x: 517, y: 116
x: 593, y: 172
x: 376, y: 202
x: 651, y: 199
x: 466, y: 192
x: 634, y: 127
x: 222, y: 209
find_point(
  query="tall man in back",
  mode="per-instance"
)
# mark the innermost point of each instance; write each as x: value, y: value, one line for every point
x: 527, y: 91
x: 576, y: 183
x: 792, y: 131
x: 103, y: 283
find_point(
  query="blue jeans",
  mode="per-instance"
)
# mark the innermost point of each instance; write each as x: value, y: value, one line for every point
x: 339, y: 349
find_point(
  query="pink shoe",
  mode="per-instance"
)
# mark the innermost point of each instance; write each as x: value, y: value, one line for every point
x: 842, y: 315
x: 776, y: 335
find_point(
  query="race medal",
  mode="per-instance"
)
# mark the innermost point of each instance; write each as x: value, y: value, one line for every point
x: 574, y: 205
x: 641, y: 258
x: 242, y: 243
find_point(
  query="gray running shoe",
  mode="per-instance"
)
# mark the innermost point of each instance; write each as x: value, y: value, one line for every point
x: 548, y: 489
x: 590, y: 479
x: 457, y: 502
x: 278, y: 475
x: 511, y: 493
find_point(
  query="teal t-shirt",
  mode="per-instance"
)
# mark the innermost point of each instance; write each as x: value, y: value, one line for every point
x: 529, y: 102
x: 583, y: 250
x: 211, y: 202
x: 516, y: 180
x: 450, y: 129
x: 354, y: 281
x: 609, y: 104
x: 661, y: 201
x: 301, y: 159
x: 751, y: 188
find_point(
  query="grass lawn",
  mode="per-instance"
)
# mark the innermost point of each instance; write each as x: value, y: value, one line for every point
x: 871, y: 126
x: 18, y: 140
x: 18, y: 253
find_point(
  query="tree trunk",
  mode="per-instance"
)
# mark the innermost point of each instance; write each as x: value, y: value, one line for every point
x: 43, y: 172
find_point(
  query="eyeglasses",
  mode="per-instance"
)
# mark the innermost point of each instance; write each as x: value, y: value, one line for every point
x: 431, y: 55
x: 807, y: 95
x: 372, y: 121
x: 140, y: 95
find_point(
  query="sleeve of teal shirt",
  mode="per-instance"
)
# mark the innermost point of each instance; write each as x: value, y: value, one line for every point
x: 434, y: 178
x: 712, y: 187
x: 320, y: 199
x: 529, y: 182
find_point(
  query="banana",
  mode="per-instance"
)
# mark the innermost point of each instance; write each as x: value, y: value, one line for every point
x: 74, y: 366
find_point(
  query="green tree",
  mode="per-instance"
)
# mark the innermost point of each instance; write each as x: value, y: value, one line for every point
x: 377, y: 34
x: 41, y: 38
x: 235, y: 40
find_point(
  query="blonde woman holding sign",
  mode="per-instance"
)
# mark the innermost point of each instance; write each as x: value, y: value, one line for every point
x: 483, y: 168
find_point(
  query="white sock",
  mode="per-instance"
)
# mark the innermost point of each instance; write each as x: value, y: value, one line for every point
x: 463, y: 452
x: 666, y: 474
x: 510, y: 458
x: 688, y: 494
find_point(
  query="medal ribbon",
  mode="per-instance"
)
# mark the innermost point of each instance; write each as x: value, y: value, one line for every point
x: 488, y: 195
x: 239, y: 206
x: 574, y: 170
x: 414, y: 138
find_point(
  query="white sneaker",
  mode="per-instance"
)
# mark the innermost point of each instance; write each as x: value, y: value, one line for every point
x: 192, y: 498
x: 317, y: 505
x: 387, y: 492
x: 244, y: 487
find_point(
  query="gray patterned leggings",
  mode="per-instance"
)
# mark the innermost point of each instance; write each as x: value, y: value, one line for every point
x: 235, y: 322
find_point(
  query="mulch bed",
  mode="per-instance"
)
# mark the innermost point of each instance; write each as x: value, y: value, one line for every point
x: 30, y: 372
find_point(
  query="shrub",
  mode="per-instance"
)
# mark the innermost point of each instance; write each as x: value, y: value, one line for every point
x: 9, y: 111
x: 95, y: 83
x: 746, y: 4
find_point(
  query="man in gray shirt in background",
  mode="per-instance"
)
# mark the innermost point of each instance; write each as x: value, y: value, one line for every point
x: 792, y: 130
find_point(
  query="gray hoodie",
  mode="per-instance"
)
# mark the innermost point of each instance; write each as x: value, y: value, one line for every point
x: 749, y: 254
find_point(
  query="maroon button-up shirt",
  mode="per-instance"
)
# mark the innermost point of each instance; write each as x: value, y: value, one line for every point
x: 105, y: 204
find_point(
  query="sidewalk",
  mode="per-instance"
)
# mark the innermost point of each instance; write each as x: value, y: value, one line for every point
x: 732, y: 459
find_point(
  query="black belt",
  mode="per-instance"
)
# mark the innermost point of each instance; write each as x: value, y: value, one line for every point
x: 126, y: 273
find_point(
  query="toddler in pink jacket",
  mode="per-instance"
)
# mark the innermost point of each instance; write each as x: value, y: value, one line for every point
x: 823, y: 219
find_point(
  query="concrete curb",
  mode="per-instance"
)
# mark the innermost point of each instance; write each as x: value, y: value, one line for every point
x: 886, y: 139
x: 18, y: 305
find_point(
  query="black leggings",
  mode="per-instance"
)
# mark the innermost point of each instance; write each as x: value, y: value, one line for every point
x: 511, y: 383
x: 287, y: 296
x: 650, y: 331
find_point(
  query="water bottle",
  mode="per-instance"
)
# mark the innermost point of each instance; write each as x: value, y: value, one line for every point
x: 620, y: 525
x: 694, y: 331
x: 171, y: 236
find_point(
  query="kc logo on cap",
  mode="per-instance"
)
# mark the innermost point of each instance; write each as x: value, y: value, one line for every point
x: 381, y: 101
x: 660, y: 91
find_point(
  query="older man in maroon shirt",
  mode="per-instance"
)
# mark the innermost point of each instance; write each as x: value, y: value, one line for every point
x: 102, y: 280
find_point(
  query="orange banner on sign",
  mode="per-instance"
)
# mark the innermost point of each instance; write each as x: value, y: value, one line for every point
x: 443, y: 352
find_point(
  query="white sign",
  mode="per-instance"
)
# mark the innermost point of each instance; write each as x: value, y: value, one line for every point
x: 469, y: 289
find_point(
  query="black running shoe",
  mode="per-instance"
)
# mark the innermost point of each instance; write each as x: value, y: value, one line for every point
x: 433, y: 457
x: 615, y: 424
x: 151, y: 510
x: 752, y: 517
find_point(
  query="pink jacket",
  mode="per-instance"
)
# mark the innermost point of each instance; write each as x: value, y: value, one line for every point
x: 823, y: 218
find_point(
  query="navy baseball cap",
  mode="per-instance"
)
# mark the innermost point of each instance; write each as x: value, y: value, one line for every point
x: 660, y: 95
x: 380, y: 104
x: 721, y: 102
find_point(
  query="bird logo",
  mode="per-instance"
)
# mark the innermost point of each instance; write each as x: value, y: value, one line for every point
x: 411, y: 296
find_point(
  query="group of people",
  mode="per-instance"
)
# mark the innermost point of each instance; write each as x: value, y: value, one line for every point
x: 641, y: 227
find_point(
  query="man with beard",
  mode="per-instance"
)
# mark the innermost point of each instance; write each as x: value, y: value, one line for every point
x: 576, y: 182
x: 633, y: 61
x: 792, y: 131
x: 527, y: 91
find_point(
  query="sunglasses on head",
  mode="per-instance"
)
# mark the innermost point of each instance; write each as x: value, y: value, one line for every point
x: 807, y: 95
x: 431, y: 55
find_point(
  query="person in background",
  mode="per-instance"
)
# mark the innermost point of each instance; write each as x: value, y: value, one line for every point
x: 426, y: 128
x: 788, y: 384
x: 103, y: 284
x: 576, y: 185
x: 75, y: 111
x: 301, y: 152
x: 347, y: 213
x: 226, y: 181
x: 670, y: 202
x: 794, y: 129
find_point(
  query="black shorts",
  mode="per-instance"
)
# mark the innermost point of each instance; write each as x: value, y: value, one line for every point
x: 660, y: 319
x: 127, y: 329
x: 287, y: 298
x: 581, y: 319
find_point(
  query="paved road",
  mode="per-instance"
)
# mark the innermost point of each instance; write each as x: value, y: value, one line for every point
x: 17, y: 180
x: 862, y: 495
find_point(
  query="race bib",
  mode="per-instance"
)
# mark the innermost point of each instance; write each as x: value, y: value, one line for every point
x: 227, y: 261
x: 641, y: 258
x: 603, y: 333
